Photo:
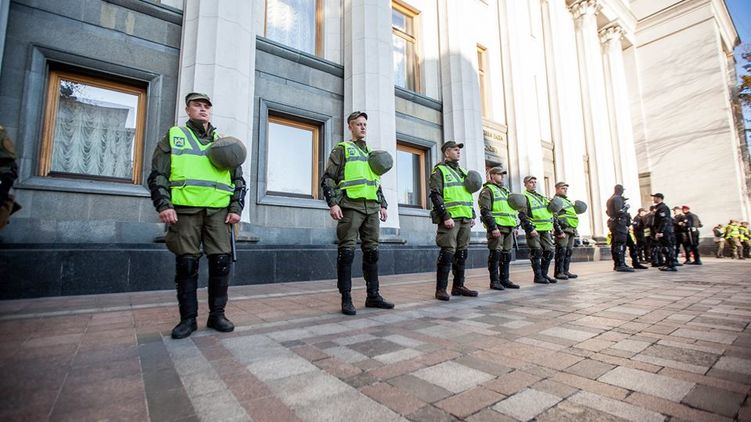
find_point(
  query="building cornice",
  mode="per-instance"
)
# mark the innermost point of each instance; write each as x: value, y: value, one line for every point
x: 584, y: 7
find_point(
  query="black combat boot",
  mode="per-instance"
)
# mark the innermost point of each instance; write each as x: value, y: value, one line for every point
x: 535, y: 257
x: 567, y: 263
x: 635, y: 260
x: 344, y: 260
x: 370, y: 273
x: 494, y: 261
x: 505, y: 267
x: 186, y: 281
x: 697, y: 257
x: 621, y: 267
x: 547, y: 258
x: 442, y: 274
x: 457, y: 288
x: 219, y: 270
x: 559, y: 263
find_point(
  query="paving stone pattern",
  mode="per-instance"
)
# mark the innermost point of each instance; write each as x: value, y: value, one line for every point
x: 646, y: 346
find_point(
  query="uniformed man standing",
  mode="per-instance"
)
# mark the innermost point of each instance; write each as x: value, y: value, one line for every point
x: 663, y: 226
x: 353, y: 192
x: 539, y: 224
x: 732, y: 234
x: 200, y: 203
x: 618, y: 223
x: 8, y: 175
x: 454, y: 214
x: 719, y: 241
x: 500, y: 221
x: 745, y: 233
x: 640, y: 231
x: 679, y: 228
x: 568, y: 221
x: 691, y: 226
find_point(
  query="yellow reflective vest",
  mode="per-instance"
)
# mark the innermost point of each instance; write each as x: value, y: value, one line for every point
x: 194, y: 181
x: 456, y: 198
x: 568, y: 214
x: 539, y: 214
x: 503, y: 214
x: 359, y: 180
x: 731, y: 231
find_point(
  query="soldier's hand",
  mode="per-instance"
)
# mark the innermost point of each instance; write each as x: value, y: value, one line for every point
x: 658, y: 235
x: 472, y: 223
x: 533, y: 233
x: 168, y: 216
x: 496, y: 233
x: 232, y: 218
x: 384, y: 214
x: 336, y: 212
x: 449, y: 224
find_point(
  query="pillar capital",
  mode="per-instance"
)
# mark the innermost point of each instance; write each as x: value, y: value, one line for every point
x: 611, y: 33
x: 582, y: 8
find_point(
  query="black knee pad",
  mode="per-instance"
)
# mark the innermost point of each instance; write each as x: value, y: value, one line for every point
x: 186, y: 266
x: 460, y: 256
x: 219, y: 265
x: 370, y: 256
x: 445, y: 257
x: 345, y: 256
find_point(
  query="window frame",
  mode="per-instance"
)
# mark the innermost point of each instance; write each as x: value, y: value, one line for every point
x: 422, y: 172
x: 413, y: 63
x: 482, y: 76
x: 318, y: 24
x: 51, y: 104
x: 316, y: 130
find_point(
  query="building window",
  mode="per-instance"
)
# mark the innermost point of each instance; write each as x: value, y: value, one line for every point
x: 482, y: 66
x: 93, y: 128
x: 403, y: 24
x: 410, y: 172
x: 293, y: 158
x: 295, y: 23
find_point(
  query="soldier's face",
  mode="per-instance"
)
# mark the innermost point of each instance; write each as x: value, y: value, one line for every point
x: 358, y: 127
x: 497, y: 178
x: 563, y: 190
x: 531, y: 185
x: 199, y: 110
x: 453, y: 154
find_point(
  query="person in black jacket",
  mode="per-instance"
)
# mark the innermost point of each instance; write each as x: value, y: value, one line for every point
x: 691, y: 226
x: 618, y: 223
x: 663, y: 226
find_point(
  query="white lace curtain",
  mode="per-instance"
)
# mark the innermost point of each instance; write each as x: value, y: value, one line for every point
x: 93, y: 140
x: 292, y: 23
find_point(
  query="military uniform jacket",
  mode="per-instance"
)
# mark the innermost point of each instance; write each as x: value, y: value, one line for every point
x: 663, y: 222
x: 161, y: 165
x: 436, y: 192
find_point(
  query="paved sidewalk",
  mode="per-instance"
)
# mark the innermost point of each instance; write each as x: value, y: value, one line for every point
x: 647, y: 346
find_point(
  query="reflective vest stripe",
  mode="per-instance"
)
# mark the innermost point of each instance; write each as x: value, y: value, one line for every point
x: 502, y: 213
x: 569, y: 214
x: 457, y: 200
x: 205, y: 183
x: 359, y: 180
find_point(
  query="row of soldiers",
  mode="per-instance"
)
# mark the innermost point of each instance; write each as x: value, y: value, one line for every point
x: 685, y: 226
x: 737, y: 235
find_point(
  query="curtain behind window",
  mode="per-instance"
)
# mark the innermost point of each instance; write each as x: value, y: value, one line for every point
x: 292, y: 23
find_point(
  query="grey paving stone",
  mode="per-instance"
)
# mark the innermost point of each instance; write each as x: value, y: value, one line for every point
x: 397, y: 356
x: 516, y: 324
x: 310, y: 387
x: 219, y: 406
x: 733, y: 364
x: 452, y: 376
x: 345, y: 341
x: 589, y: 368
x: 631, y: 345
x: 648, y: 383
x: 615, y: 407
x: 526, y: 404
x: 372, y: 348
x: 714, y: 336
x: 348, y: 406
x: 199, y: 383
x: 423, y: 390
x: 346, y: 354
x: 714, y: 400
x: 280, y: 367
x: 567, y: 333
x: 403, y: 340
x: 568, y: 411
x: 628, y: 310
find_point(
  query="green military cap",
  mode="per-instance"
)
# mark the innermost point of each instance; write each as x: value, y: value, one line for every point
x: 451, y: 144
x: 497, y: 170
x: 194, y: 96
x: 356, y: 114
x: 528, y: 178
x: 561, y: 184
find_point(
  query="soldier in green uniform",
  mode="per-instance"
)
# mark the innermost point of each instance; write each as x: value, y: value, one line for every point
x: 500, y: 221
x: 538, y: 223
x: 745, y: 233
x: 564, y: 242
x: 454, y: 214
x: 8, y: 175
x: 200, y: 203
x: 353, y: 192
x: 732, y: 233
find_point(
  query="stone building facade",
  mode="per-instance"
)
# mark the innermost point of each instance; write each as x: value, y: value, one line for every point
x: 591, y: 92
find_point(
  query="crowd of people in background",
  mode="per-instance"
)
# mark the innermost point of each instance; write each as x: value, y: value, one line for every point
x: 737, y: 235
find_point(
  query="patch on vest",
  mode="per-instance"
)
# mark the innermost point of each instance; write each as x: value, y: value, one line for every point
x: 178, y: 141
x: 352, y: 151
x: 449, y: 178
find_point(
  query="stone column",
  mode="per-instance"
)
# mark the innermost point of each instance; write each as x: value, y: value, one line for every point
x: 594, y: 107
x: 218, y: 57
x: 565, y: 100
x: 627, y: 172
x: 369, y: 83
x: 462, y: 116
